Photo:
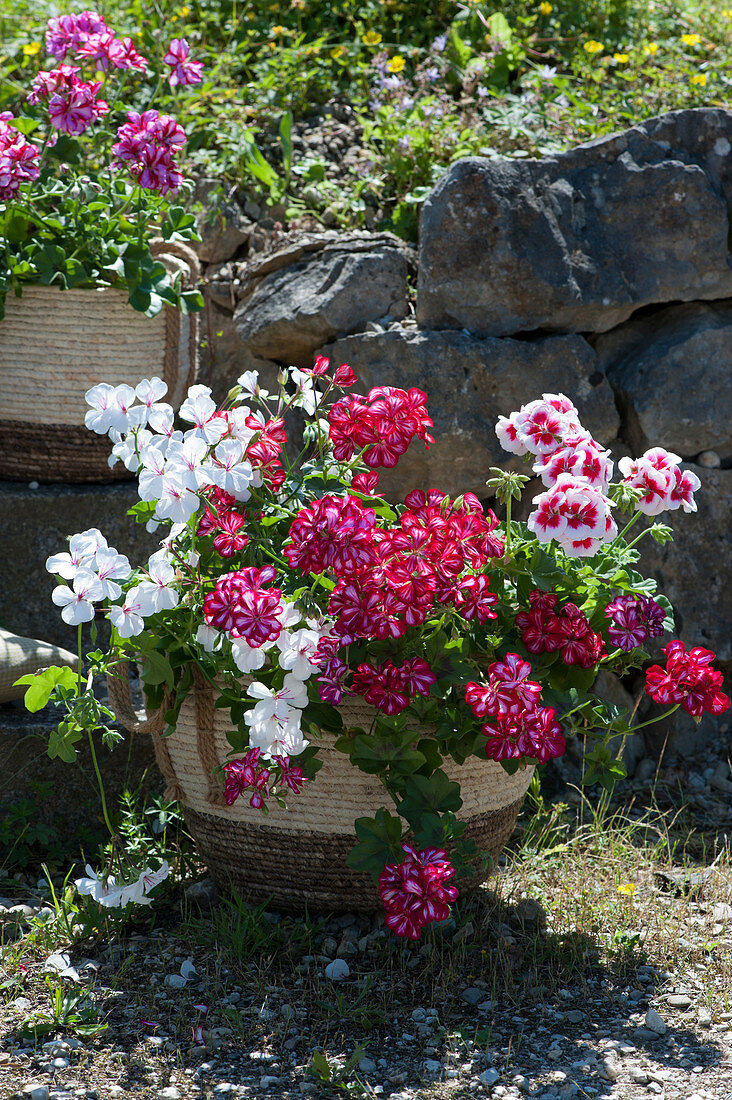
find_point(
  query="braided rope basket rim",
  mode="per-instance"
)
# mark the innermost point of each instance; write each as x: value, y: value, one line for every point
x: 297, y: 858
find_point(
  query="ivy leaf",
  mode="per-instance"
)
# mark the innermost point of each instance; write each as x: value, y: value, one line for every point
x: 545, y: 571
x: 43, y: 684
x: 435, y: 794
x: 156, y: 668
x: 378, y: 843
x: 61, y: 741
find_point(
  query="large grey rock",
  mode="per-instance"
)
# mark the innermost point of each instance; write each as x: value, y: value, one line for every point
x: 293, y: 310
x: 672, y: 370
x: 469, y: 383
x: 693, y: 570
x: 222, y: 224
x: 38, y: 522
x: 576, y: 242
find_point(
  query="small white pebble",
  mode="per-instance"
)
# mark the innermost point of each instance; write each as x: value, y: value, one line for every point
x: 337, y: 970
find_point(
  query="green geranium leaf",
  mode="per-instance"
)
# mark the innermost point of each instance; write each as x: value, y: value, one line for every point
x: 435, y: 794
x: 378, y: 843
x: 41, y: 685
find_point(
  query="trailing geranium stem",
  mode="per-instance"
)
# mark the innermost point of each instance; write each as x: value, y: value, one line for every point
x: 101, y: 784
x: 652, y: 721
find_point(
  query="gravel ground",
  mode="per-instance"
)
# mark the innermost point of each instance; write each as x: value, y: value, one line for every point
x: 596, y: 963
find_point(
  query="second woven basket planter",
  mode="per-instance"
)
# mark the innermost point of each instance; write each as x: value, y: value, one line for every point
x: 297, y: 857
x: 56, y: 344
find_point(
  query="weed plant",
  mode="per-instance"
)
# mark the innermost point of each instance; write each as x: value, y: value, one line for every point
x: 425, y: 83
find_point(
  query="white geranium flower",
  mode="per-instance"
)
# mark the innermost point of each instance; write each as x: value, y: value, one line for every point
x: 101, y: 399
x: 297, y: 650
x: 198, y: 408
x: 247, y: 658
x: 127, y: 449
x: 150, y: 391
x: 112, y: 895
x: 277, y: 704
x: 158, y: 590
x: 184, y: 459
x: 176, y: 502
x: 308, y: 397
x: 78, y: 603
x: 161, y: 418
x: 80, y: 555
x: 111, y: 567
x: 277, y: 738
x: 128, y: 619
x: 152, y: 475
x: 208, y: 638
x: 230, y: 470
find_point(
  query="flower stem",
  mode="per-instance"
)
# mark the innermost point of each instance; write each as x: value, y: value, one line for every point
x: 100, y: 783
x: 651, y: 721
x: 627, y: 527
x: 80, y: 676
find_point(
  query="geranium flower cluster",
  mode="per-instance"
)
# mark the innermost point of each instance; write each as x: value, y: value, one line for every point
x: 18, y: 159
x: 635, y: 619
x: 519, y: 727
x: 218, y: 461
x: 688, y: 680
x: 665, y: 486
x: 389, y: 580
x: 147, y: 144
x: 381, y: 425
x: 94, y: 569
x: 73, y: 104
x: 545, y: 628
x: 184, y: 70
x: 575, y: 511
x: 246, y: 773
x: 392, y: 688
x: 417, y: 891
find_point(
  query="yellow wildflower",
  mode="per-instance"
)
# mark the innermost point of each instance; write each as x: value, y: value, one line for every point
x: 593, y: 46
x: 698, y: 78
x: 691, y: 39
x: 371, y: 38
x: 621, y: 58
x: 627, y: 888
x: 545, y: 7
x: 276, y: 31
x: 651, y: 48
x: 337, y: 51
x: 31, y: 49
x: 727, y: 13
x: 396, y: 64
x: 183, y: 12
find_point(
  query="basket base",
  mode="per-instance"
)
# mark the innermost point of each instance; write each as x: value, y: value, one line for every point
x: 294, y: 871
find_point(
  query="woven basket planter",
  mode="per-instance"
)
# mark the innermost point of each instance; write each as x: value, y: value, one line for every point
x: 297, y: 857
x: 54, y: 346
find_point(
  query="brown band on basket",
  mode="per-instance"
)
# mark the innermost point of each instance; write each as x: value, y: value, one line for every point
x: 56, y: 452
x: 120, y: 700
x: 204, y: 703
x: 309, y: 870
